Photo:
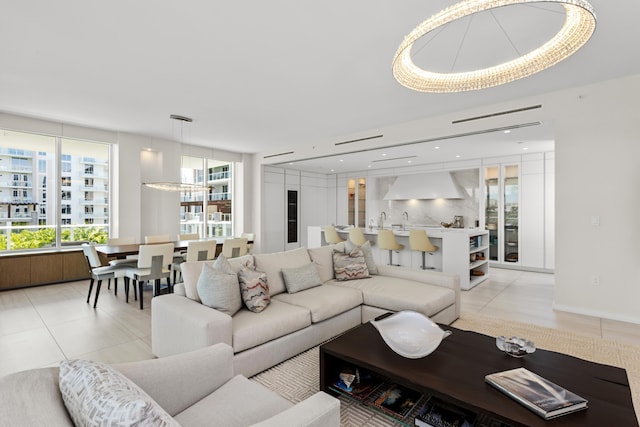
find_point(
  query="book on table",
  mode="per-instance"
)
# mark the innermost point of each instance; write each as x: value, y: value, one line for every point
x: 397, y: 400
x: 536, y: 393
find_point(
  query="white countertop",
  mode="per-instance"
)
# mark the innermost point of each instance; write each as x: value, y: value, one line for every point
x: 434, y: 231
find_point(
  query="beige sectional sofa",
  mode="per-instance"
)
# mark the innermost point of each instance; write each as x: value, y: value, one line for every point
x: 195, y: 389
x: 294, y: 322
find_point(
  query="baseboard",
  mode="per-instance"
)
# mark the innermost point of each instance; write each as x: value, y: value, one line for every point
x: 596, y: 313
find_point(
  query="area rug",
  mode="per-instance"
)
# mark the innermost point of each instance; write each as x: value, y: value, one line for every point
x: 298, y: 378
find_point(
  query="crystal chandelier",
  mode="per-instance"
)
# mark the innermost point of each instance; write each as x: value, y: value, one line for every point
x: 177, y: 186
x: 578, y: 27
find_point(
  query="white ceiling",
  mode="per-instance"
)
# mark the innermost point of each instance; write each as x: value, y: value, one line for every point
x: 259, y: 75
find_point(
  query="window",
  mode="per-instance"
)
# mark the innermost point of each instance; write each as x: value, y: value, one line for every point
x: 208, y: 213
x: 36, y: 164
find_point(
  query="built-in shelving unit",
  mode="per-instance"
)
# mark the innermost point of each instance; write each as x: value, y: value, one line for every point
x: 473, y: 268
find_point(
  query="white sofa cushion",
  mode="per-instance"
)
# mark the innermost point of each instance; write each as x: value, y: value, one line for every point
x: 278, y: 319
x: 324, y: 301
x: 96, y: 394
x: 322, y: 257
x: 395, y: 294
x: 238, y: 403
x: 273, y: 263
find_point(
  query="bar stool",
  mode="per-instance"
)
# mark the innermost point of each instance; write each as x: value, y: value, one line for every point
x: 387, y: 240
x: 356, y: 236
x: 419, y: 241
x: 331, y: 235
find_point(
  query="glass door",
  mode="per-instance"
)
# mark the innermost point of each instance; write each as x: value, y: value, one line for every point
x: 511, y: 202
x: 357, y: 202
x: 492, y: 208
x: 502, y: 198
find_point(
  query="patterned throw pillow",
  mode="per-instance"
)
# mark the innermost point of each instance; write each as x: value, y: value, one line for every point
x: 95, y: 394
x: 300, y: 278
x: 368, y: 256
x: 254, y: 287
x: 350, y: 265
x: 218, y: 289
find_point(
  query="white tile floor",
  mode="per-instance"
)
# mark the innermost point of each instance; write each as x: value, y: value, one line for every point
x: 43, y: 325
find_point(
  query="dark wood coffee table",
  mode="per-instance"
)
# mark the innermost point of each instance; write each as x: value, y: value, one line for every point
x: 455, y: 372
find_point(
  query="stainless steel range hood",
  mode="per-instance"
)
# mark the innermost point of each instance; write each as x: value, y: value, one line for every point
x: 435, y: 185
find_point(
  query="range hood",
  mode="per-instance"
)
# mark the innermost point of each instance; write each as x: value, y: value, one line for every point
x: 436, y: 185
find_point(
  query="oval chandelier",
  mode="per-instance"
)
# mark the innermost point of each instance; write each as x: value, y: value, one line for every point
x: 579, y: 25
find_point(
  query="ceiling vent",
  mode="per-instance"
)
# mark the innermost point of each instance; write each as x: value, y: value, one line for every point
x: 499, y: 113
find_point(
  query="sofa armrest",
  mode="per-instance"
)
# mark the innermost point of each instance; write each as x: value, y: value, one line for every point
x: 319, y: 410
x: 436, y: 278
x: 179, y: 325
x: 177, y: 382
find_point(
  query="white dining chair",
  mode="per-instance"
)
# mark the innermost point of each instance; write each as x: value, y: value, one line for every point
x: 197, y: 250
x: 158, y: 238
x: 233, y: 248
x: 154, y: 264
x: 100, y: 272
x: 188, y: 236
x: 251, y: 237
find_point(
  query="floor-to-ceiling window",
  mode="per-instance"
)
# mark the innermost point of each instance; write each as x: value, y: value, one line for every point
x: 209, y: 212
x: 53, y: 191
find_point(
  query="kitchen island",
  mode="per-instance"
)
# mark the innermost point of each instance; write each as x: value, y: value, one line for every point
x: 463, y: 251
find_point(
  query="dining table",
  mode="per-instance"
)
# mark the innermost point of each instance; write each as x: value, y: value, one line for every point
x: 107, y: 252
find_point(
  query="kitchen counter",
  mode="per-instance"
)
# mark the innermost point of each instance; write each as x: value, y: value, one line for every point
x: 462, y: 251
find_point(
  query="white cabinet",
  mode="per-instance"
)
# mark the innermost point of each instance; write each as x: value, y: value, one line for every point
x: 466, y: 255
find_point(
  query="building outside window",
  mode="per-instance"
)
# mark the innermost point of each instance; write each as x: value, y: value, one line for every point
x: 28, y: 218
x: 209, y: 212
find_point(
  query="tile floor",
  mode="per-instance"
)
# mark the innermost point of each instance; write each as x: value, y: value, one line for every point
x: 43, y: 325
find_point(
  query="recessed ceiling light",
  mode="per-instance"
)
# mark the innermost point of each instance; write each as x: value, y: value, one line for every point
x: 437, y: 148
x: 507, y: 131
x: 384, y: 154
x: 408, y: 161
x: 341, y: 160
x: 525, y: 148
x: 333, y: 170
x: 369, y: 166
x: 457, y: 156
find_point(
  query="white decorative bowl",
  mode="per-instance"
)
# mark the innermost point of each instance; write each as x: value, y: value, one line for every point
x: 410, y: 334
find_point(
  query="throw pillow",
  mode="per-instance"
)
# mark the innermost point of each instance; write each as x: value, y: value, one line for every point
x: 301, y: 278
x: 219, y: 290
x: 96, y: 394
x: 223, y: 265
x: 350, y: 265
x: 368, y: 256
x: 254, y: 287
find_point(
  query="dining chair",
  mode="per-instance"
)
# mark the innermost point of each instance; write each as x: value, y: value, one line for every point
x: 197, y: 250
x: 250, y: 239
x: 100, y: 272
x: 233, y: 248
x: 117, y: 241
x: 154, y: 264
x: 188, y: 236
x: 158, y: 238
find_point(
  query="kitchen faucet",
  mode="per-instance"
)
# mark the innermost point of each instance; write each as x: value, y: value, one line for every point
x: 405, y: 217
x: 383, y: 217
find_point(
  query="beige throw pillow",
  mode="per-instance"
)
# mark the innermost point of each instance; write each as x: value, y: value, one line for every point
x: 366, y: 251
x: 350, y: 265
x: 219, y: 287
x: 301, y: 278
x: 96, y: 394
x: 254, y: 287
